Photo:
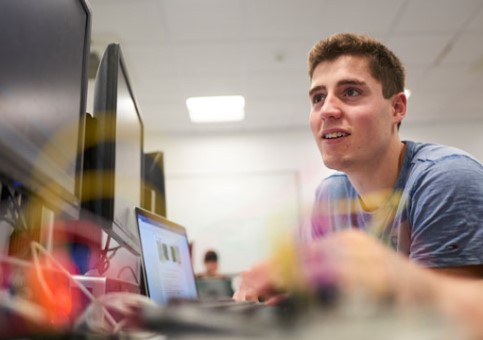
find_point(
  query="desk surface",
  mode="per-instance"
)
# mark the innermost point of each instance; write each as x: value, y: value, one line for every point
x: 351, y: 321
x: 358, y: 320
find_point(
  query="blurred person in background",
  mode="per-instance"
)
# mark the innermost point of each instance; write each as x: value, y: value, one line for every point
x: 211, y: 266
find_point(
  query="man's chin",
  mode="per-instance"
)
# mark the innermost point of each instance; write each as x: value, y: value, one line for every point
x: 337, y: 164
x: 332, y: 163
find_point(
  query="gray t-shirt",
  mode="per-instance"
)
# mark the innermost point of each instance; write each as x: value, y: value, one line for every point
x: 434, y: 216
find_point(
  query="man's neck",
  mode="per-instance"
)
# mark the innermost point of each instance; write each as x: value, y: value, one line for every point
x: 375, y: 183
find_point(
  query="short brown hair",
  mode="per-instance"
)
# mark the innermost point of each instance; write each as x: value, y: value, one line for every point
x: 211, y: 256
x: 383, y: 63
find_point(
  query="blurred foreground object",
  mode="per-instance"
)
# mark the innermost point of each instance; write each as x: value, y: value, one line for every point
x: 352, y: 268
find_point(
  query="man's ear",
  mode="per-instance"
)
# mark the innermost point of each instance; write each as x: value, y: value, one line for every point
x: 399, y: 102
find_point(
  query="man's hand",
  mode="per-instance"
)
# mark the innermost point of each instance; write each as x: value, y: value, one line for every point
x: 351, y: 261
x: 261, y: 283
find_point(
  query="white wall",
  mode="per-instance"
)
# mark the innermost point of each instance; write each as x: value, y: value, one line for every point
x: 272, y: 177
x: 464, y: 135
x: 233, y: 191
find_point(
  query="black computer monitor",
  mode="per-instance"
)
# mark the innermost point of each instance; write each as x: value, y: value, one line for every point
x: 114, y: 153
x: 44, y: 49
x: 154, y: 186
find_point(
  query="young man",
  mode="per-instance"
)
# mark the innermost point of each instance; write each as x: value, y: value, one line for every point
x: 424, y: 201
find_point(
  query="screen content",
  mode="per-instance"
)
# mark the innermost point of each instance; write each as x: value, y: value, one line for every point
x: 169, y: 273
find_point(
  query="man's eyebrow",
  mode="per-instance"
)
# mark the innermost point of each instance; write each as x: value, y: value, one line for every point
x: 315, y: 89
x: 351, y: 82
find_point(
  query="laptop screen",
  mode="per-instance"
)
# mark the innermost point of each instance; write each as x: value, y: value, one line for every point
x: 167, y: 264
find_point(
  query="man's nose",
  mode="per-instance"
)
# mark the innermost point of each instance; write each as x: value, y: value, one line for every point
x: 331, y: 107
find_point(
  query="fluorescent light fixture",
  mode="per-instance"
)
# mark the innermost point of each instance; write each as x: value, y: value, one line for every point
x: 216, y: 109
x: 407, y: 92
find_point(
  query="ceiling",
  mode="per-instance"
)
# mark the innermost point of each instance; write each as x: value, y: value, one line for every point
x: 175, y: 49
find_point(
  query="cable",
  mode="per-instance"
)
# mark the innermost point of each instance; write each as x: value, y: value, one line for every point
x: 10, y: 221
x: 17, y: 208
x: 131, y: 270
x: 126, y: 305
x: 20, y: 306
x: 104, y: 260
x: 121, y: 303
x: 37, y: 247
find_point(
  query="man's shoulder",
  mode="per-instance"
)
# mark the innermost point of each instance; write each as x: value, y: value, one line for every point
x: 434, y: 153
x: 336, y: 180
x: 334, y: 186
x: 439, y: 164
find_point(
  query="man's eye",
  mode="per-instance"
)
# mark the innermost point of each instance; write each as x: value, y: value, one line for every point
x: 317, y: 98
x: 352, y: 92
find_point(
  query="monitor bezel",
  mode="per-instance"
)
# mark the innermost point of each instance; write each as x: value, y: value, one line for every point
x: 100, y: 202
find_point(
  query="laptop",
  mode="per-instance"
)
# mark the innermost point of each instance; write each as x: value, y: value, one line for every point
x: 166, y: 261
x: 168, y: 275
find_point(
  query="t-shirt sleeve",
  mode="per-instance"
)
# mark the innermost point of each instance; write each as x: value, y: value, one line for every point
x: 333, y: 206
x: 320, y: 221
x: 446, y: 214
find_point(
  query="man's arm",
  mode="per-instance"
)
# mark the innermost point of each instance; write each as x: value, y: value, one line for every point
x: 357, y: 263
x: 446, y: 213
x: 470, y: 272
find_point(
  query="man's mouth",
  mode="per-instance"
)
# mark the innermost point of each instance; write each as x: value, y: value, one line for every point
x: 334, y: 135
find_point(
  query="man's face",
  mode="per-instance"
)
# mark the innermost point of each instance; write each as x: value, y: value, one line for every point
x: 211, y: 267
x: 351, y: 121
